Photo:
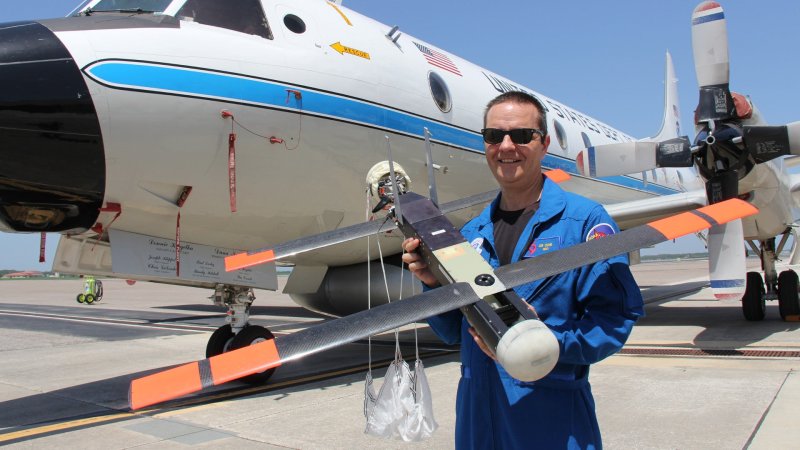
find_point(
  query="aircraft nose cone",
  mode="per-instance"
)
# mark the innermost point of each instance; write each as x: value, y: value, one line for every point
x: 52, y: 165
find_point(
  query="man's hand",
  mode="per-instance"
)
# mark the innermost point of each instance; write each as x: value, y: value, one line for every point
x: 481, y: 344
x: 415, y: 263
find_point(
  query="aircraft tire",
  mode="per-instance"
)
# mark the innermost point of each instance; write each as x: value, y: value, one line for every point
x: 253, y: 334
x: 788, y: 299
x: 220, y: 341
x: 89, y: 299
x: 753, y: 305
x: 81, y: 298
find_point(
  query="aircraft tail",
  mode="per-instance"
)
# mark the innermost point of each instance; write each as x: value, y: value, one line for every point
x: 671, y: 121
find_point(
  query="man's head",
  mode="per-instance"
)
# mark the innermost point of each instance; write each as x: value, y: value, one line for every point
x: 516, y: 140
x: 521, y: 98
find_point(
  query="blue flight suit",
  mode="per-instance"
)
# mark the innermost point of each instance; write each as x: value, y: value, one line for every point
x: 591, y: 310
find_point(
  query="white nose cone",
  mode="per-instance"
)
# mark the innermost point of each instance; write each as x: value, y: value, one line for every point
x: 528, y: 351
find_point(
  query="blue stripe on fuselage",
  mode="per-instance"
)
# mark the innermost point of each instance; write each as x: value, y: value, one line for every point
x: 240, y: 88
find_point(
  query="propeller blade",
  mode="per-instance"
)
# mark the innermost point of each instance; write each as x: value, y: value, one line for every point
x: 361, y: 230
x: 196, y: 376
x: 710, y: 44
x: 711, y: 64
x: 726, y: 260
x: 770, y: 142
x: 634, y: 157
x: 617, y: 159
x: 655, y: 232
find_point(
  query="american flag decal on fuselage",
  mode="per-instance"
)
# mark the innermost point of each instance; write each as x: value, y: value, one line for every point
x: 438, y: 59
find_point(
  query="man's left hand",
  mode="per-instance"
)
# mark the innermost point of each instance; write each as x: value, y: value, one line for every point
x: 481, y: 344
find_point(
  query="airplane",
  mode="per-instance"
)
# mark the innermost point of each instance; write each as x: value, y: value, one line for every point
x: 180, y: 132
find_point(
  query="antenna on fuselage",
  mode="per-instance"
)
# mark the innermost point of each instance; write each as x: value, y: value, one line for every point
x: 390, y: 35
x: 429, y: 162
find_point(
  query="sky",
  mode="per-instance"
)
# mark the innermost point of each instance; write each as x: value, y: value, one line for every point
x: 602, y: 58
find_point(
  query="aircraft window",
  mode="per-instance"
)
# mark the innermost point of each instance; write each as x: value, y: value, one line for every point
x: 586, y: 141
x: 294, y: 24
x: 244, y: 16
x: 144, y: 5
x: 561, y: 135
x: 439, y: 91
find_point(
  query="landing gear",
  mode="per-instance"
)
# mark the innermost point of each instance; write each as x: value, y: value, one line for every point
x: 220, y: 341
x: 753, y: 305
x: 788, y: 301
x: 238, y: 332
x: 783, y: 288
x: 253, y: 334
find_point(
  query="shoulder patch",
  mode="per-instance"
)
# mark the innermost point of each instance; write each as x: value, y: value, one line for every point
x: 477, y: 243
x: 600, y: 230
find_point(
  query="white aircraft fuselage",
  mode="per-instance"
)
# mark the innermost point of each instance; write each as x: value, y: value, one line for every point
x: 329, y: 96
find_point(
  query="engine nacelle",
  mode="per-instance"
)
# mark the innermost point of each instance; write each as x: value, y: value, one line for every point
x: 340, y: 291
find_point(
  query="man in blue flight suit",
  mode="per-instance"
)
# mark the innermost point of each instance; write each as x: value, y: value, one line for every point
x: 591, y: 310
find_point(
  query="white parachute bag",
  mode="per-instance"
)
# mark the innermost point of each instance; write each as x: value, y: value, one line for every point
x: 419, y: 424
x: 403, y: 406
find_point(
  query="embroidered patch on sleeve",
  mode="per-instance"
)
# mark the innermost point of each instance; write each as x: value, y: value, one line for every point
x: 600, y: 230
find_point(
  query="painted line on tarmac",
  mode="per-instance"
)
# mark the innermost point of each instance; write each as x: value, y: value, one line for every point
x: 119, y: 322
x: 43, y: 430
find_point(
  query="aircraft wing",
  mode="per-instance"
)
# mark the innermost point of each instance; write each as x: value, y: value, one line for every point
x: 637, y: 212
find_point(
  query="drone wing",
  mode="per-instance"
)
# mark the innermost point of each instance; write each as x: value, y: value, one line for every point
x: 196, y: 376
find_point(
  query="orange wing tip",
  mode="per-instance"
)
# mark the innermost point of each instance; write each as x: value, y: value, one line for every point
x: 245, y: 260
x: 166, y: 385
x: 724, y: 212
x: 679, y: 225
x: 244, y: 361
x: 689, y: 222
x: 557, y: 175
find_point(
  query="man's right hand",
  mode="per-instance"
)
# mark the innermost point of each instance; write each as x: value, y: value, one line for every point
x: 415, y: 263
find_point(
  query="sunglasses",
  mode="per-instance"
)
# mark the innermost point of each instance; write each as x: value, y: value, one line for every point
x: 519, y: 136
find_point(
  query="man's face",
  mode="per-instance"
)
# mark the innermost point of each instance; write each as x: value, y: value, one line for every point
x: 515, y: 166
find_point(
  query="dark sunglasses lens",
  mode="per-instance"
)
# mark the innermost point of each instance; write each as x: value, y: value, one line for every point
x: 493, y: 135
x: 521, y: 136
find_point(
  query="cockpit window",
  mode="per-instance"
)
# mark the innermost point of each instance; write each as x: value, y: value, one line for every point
x: 132, y: 5
x: 244, y: 16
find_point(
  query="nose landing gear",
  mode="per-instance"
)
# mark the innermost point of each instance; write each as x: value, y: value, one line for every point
x: 238, y: 332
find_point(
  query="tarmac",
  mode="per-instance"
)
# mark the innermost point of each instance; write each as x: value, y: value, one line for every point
x: 693, y: 375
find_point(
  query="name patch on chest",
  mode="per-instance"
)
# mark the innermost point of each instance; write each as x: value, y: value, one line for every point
x: 543, y: 245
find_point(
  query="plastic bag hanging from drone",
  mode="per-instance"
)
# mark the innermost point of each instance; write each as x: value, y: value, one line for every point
x: 403, y: 406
